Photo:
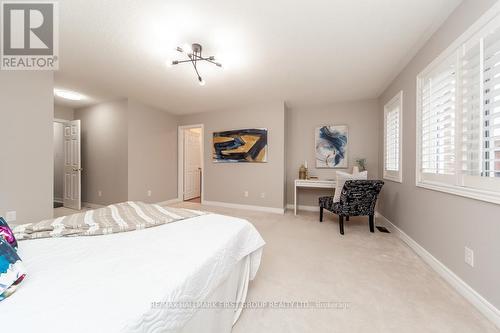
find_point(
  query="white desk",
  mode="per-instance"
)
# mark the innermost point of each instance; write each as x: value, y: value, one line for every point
x: 316, y: 183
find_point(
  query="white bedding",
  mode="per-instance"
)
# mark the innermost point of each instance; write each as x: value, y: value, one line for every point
x: 108, y: 283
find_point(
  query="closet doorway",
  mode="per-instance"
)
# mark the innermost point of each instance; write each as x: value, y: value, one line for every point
x: 191, y: 163
x: 67, y: 164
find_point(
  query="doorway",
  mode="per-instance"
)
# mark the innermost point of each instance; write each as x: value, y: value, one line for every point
x: 67, y: 164
x: 191, y: 163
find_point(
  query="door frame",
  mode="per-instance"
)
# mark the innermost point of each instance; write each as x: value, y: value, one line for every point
x: 180, y: 160
x: 62, y: 121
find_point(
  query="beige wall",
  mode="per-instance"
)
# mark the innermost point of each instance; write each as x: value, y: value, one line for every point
x: 104, y: 152
x: 227, y: 182
x: 26, y: 141
x: 128, y: 149
x: 362, y: 119
x: 442, y: 223
x: 63, y: 112
x: 152, y: 153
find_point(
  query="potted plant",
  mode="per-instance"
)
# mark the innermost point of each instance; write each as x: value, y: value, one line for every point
x: 361, y: 164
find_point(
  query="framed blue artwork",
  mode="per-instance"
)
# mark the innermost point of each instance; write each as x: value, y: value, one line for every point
x: 331, y: 146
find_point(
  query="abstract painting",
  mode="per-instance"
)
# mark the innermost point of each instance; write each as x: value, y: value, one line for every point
x: 331, y: 146
x: 244, y: 145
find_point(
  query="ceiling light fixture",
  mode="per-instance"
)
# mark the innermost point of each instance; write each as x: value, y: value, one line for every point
x: 194, y: 54
x: 67, y: 94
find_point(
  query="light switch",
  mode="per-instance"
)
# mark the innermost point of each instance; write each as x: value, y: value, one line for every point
x: 469, y: 256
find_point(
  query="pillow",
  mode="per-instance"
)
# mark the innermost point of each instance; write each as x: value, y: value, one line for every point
x: 7, y: 233
x: 341, y: 179
x: 12, y: 271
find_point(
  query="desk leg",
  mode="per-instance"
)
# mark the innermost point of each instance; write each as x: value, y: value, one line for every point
x: 295, y: 202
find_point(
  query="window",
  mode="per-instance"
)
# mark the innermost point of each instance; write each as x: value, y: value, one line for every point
x: 458, y: 115
x: 393, y: 125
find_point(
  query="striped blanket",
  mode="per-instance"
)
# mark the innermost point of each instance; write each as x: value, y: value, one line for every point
x: 125, y: 216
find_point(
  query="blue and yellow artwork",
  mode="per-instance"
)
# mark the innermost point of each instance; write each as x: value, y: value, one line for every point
x: 331, y: 146
x: 244, y: 145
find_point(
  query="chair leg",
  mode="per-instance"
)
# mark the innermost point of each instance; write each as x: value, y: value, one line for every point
x: 347, y: 218
x: 341, y: 224
x: 321, y: 214
x: 372, y: 228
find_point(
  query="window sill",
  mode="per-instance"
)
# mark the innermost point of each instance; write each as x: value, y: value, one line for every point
x: 393, y: 178
x: 487, y: 196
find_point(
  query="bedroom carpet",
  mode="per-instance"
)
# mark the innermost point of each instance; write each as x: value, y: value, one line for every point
x: 63, y: 211
x: 380, y: 284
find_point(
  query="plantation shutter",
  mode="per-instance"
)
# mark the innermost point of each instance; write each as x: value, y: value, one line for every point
x: 458, y: 115
x: 438, y: 88
x: 490, y: 166
x: 392, y: 123
x: 471, y: 110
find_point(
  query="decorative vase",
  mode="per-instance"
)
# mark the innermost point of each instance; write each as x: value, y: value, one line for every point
x: 302, y: 172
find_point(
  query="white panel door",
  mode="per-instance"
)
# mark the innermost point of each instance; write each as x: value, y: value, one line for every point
x: 192, y: 164
x: 72, y: 165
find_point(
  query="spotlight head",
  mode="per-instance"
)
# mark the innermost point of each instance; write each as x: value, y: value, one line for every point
x: 175, y: 62
x: 218, y: 64
x: 179, y: 49
x: 201, y: 81
x: 211, y: 58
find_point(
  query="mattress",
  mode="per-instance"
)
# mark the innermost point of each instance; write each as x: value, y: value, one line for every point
x: 137, y: 281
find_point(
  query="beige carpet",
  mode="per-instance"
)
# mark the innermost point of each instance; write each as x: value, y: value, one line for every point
x: 384, y: 284
x: 63, y: 211
x: 387, y: 287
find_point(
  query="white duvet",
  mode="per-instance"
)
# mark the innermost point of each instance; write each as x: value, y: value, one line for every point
x: 109, y: 283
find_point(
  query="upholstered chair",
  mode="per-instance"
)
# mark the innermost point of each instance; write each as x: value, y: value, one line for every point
x: 358, y: 198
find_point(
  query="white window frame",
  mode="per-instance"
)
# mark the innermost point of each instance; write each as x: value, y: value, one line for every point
x: 482, y: 24
x: 396, y: 176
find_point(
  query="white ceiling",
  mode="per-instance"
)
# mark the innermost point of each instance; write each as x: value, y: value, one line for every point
x: 302, y: 52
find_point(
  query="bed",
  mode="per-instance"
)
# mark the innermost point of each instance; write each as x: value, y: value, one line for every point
x: 160, y: 279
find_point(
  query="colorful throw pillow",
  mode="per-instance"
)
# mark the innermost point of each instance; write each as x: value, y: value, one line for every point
x: 341, y: 179
x: 12, y: 271
x: 7, y: 233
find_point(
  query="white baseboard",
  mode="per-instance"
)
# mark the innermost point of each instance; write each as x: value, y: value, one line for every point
x: 58, y: 200
x: 247, y: 207
x: 304, y: 207
x: 478, y: 301
x: 170, y: 202
x: 95, y: 206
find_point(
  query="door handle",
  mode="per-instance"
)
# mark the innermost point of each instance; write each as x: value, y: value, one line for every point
x: 77, y: 169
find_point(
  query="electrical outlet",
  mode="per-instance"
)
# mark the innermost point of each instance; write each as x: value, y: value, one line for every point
x: 99, y: 193
x: 149, y: 193
x: 245, y: 194
x: 469, y: 256
x: 263, y: 195
x: 11, y: 216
